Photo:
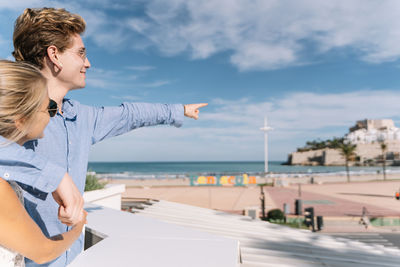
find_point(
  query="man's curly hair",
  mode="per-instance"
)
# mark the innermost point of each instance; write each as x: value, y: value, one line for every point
x: 38, y: 28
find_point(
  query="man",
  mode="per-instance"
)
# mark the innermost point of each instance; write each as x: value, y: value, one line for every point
x: 50, y: 39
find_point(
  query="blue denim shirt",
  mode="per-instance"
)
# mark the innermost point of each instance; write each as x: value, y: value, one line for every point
x: 24, y: 166
x: 67, y: 142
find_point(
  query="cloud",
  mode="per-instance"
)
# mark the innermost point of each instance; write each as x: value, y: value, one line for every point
x: 254, y: 55
x: 306, y: 111
x: 126, y: 97
x: 120, y: 79
x: 267, y: 34
x: 102, y: 78
x: 232, y: 130
x: 140, y: 68
x: 22, y: 4
x: 154, y: 84
x: 256, y: 35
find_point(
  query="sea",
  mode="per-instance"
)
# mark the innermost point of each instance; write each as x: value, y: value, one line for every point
x: 162, y: 170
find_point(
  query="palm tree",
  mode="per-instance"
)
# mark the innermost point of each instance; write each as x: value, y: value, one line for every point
x: 347, y: 150
x: 336, y: 142
x: 384, y: 148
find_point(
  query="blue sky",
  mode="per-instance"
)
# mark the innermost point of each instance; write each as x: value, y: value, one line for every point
x: 313, y: 67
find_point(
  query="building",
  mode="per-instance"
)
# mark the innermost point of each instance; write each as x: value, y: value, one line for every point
x: 370, y: 131
x: 368, y: 135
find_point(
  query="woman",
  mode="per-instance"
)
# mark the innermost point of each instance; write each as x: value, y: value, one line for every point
x: 25, y: 110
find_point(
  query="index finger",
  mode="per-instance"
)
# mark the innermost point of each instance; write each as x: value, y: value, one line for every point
x: 201, y: 105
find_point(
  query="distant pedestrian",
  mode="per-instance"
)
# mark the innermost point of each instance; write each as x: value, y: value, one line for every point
x: 364, y: 220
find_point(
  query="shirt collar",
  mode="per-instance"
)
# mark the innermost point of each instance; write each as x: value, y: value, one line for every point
x: 68, y: 109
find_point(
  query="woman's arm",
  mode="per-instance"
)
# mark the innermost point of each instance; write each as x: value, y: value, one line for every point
x: 20, y: 233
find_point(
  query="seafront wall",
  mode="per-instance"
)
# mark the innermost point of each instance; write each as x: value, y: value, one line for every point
x: 312, y: 157
x: 223, y: 180
x: 274, y: 179
x: 327, y: 157
x: 367, y: 154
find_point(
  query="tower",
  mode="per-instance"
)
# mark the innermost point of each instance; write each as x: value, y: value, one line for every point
x: 265, y: 129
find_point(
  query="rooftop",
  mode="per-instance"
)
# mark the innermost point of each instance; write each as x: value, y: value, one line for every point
x: 266, y: 244
x: 162, y: 233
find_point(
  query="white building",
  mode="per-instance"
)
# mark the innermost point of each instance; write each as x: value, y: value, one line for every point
x: 370, y: 131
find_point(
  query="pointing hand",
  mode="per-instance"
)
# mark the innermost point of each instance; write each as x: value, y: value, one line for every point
x: 192, y: 110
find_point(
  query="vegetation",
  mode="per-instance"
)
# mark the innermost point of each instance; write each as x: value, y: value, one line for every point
x: 266, y: 184
x: 291, y: 222
x: 275, y: 215
x: 93, y: 183
x: 348, y: 152
x: 335, y: 143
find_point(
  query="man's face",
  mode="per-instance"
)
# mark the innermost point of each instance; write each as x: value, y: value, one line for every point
x: 74, y: 64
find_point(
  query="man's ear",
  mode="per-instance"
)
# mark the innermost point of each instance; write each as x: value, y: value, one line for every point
x: 52, y: 54
x: 20, y: 124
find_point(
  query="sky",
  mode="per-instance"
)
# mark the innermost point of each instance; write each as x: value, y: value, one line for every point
x: 312, y: 67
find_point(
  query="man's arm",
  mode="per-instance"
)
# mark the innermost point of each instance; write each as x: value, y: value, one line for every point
x: 26, y: 167
x: 38, y: 176
x: 70, y: 200
x: 112, y: 121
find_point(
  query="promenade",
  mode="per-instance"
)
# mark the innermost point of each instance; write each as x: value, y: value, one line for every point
x: 344, y: 199
x: 336, y: 201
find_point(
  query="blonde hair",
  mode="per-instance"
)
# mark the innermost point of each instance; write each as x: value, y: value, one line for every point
x: 38, y: 28
x: 22, y: 92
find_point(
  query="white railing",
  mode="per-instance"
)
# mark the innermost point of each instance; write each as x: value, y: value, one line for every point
x: 109, y: 197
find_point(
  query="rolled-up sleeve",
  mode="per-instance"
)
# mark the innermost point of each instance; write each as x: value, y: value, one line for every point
x: 113, y: 121
x: 25, y: 166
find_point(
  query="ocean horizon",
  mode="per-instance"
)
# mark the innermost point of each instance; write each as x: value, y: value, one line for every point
x: 132, y: 170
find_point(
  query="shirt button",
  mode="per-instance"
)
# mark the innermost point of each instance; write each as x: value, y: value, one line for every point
x: 6, y: 175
